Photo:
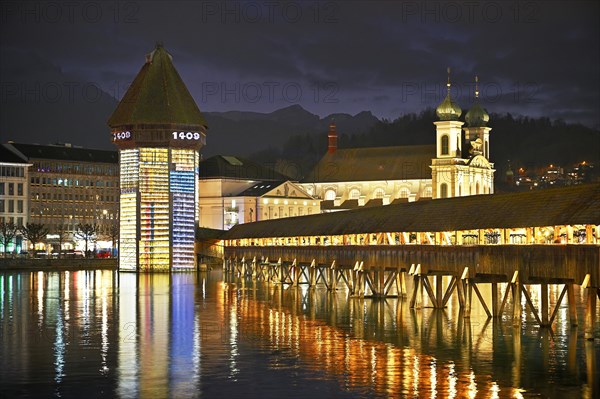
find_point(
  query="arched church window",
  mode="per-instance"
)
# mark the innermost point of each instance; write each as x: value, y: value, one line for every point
x: 378, y: 193
x: 354, y: 194
x: 329, y: 195
x: 443, y: 190
x: 445, y: 144
x: 487, y: 149
x: 477, y: 188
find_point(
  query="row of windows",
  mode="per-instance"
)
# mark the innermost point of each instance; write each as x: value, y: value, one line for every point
x: 55, y: 228
x: 46, y: 167
x: 57, y: 181
x: 281, y: 212
x: 378, y: 193
x: 18, y: 221
x: 11, y: 206
x: 74, y: 197
x: 12, y: 171
x: 71, y: 212
x: 9, y: 188
x: 476, y: 190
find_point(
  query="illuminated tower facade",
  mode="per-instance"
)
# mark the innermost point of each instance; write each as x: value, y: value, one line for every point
x: 447, y: 170
x: 453, y: 174
x: 159, y: 132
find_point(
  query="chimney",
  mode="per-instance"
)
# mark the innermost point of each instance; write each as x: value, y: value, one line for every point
x: 331, y: 138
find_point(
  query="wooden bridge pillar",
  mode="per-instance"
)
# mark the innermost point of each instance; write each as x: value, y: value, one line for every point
x: 544, y: 305
x: 468, y: 293
x: 332, y: 276
x: 495, y: 307
x: 590, y: 311
x: 515, y: 287
x: 572, y: 304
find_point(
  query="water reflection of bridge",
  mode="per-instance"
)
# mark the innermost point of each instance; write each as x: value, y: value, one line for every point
x: 394, y: 350
x: 373, y: 252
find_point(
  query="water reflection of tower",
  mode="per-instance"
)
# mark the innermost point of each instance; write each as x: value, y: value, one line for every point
x: 159, y: 336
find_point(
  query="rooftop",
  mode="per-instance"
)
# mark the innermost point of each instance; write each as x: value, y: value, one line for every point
x: 64, y: 153
x: 374, y: 164
x: 224, y: 166
x: 157, y: 95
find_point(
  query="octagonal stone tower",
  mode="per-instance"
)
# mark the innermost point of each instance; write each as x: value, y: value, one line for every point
x: 159, y: 132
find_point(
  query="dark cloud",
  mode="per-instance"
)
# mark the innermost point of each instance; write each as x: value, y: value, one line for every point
x: 385, y: 56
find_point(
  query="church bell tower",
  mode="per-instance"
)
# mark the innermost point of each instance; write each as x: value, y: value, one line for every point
x: 445, y: 174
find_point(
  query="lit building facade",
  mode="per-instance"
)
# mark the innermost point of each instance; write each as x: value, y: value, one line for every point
x: 349, y: 178
x: 159, y: 131
x: 458, y: 173
x: 235, y: 190
x: 66, y: 186
x: 14, y: 195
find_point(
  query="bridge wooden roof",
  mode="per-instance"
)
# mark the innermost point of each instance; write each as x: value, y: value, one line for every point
x: 558, y: 206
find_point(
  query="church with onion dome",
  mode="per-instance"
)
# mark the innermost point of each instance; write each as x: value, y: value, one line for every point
x: 452, y: 173
x: 456, y: 165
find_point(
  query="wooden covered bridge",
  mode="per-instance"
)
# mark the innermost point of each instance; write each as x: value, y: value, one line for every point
x: 540, y: 238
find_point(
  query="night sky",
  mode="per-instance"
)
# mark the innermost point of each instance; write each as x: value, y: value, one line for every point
x: 533, y: 58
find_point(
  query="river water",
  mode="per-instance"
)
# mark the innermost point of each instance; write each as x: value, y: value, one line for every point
x: 104, y: 334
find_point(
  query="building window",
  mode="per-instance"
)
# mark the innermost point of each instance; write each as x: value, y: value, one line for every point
x: 378, y: 193
x: 427, y: 192
x: 1, y: 188
x: 20, y: 189
x: 404, y: 192
x: 354, y: 194
x: 445, y: 144
x: 330, y: 195
x: 487, y: 149
x: 20, y: 206
x: 11, y: 206
x: 443, y: 190
x: 11, y: 188
x: 2, y: 205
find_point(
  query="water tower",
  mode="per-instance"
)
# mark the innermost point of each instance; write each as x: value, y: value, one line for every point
x: 159, y: 132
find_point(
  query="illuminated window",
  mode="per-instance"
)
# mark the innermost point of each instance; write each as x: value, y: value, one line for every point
x: 378, y: 193
x: 404, y: 192
x: 443, y: 190
x: 445, y: 144
x: 330, y: 195
x: 354, y: 194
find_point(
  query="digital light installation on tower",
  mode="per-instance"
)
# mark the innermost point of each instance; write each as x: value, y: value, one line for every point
x: 159, y: 132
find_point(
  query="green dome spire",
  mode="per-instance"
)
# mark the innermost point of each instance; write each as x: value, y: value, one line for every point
x: 477, y: 116
x: 448, y: 110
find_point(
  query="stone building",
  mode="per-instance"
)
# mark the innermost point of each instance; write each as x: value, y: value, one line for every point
x: 14, y: 195
x: 234, y: 190
x: 66, y: 186
x: 347, y: 178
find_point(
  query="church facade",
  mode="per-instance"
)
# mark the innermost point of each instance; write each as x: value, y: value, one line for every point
x: 454, y: 166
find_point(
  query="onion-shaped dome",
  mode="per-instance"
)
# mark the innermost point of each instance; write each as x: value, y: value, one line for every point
x: 448, y: 110
x: 476, y: 116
